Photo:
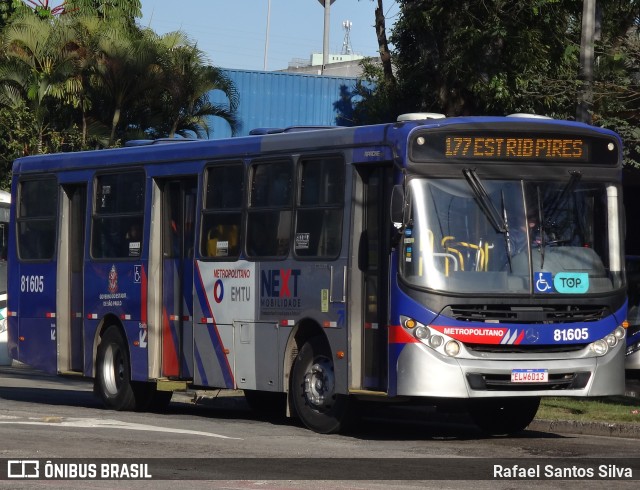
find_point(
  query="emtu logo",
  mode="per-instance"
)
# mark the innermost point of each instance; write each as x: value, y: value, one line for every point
x: 279, y: 283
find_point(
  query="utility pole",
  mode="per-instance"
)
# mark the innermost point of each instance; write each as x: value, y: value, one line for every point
x: 585, y: 93
x: 266, y: 41
x: 325, y: 38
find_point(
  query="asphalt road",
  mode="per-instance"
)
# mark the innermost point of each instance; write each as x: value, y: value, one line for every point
x: 212, y: 440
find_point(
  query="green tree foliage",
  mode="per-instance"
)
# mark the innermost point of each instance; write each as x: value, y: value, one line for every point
x: 83, y: 75
x: 499, y: 57
x: 187, y: 79
x: 617, y: 84
x: 491, y: 57
x: 39, y: 70
x: 7, y: 9
x: 21, y: 137
x: 126, y: 70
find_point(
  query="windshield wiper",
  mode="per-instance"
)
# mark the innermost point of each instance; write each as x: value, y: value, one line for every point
x: 506, y: 230
x: 485, y: 203
x: 548, y: 217
x: 499, y: 222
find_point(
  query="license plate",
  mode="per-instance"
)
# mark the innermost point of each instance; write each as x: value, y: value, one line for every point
x: 529, y: 375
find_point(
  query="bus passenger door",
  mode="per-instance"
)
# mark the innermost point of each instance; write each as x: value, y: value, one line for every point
x: 178, y: 229
x: 71, y: 278
x: 372, y: 232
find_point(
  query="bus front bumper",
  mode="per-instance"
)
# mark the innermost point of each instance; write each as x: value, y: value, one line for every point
x: 425, y: 373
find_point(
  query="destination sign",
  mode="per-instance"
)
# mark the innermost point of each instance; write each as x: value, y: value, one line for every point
x: 513, y: 147
x: 516, y: 148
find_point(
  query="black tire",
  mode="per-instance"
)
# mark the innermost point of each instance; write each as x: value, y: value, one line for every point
x: 267, y: 403
x: 504, y: 416
x: 113, y: 372
x: 312, y: 390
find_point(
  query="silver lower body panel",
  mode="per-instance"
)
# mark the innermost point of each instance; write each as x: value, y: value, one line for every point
x: 425, y: 373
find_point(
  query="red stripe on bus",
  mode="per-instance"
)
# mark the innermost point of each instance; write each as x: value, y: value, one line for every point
x: 398, y: 335
x: 170, y: 365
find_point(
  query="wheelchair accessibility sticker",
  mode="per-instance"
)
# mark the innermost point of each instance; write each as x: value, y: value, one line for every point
x: 563, y: 282
x: 543, y: 282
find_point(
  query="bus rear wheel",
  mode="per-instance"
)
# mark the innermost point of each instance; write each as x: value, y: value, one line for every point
x: 312, y: 391
x: 113, y: 372
x: 503, y: 416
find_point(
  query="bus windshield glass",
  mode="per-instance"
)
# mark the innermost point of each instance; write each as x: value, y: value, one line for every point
x: 473, y: 235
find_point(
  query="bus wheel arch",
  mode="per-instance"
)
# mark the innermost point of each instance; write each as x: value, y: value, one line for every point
x: 312, y: 395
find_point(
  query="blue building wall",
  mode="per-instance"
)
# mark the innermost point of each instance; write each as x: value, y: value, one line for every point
x: 281, y: 99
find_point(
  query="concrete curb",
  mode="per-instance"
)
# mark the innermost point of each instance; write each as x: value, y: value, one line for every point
x: 631, y: 431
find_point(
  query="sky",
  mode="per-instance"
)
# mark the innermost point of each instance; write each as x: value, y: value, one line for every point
x: 233, y: 33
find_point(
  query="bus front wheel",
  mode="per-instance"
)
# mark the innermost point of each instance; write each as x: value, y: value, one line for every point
x: 312, y: 392
x: 113, y: 372
x: 503, y: 416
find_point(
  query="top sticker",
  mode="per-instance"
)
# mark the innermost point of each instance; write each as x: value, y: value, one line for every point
x: 571, y: 282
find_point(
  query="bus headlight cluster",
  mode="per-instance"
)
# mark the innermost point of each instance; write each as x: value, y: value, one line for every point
x: 452, y: 348
x: 435, y: 341
x: 602, y: 346
x: 422, y: 332
x: 431, y: 338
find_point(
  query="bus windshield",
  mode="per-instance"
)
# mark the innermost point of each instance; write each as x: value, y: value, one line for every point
x: 472, y: 235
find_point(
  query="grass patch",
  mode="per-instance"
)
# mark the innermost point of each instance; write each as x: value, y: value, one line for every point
x: 612, y: 409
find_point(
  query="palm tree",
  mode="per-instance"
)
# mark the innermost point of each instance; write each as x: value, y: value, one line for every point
x: 188, y: 82
x: 87, y: 31
x: 107, y: 9
x: 39, y: 67
x: 125, y: 70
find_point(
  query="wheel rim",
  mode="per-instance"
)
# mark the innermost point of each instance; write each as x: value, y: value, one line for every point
x: 112, y: 369
x: 319, y: 384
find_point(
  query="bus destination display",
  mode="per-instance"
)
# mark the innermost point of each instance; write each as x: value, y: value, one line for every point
x: 518, y: 148
x: 512, y: 147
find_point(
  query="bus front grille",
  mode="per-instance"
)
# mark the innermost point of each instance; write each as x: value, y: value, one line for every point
x: 525, y: 349
x: 547, y: 314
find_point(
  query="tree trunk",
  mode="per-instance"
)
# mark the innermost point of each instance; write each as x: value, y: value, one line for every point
x: 383, y: 46
x: 114, y: 124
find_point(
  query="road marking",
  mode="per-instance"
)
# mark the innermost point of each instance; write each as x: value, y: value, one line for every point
x: 108, y: 424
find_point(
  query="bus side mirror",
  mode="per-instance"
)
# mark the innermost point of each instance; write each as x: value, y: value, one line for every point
x: 397, y: 204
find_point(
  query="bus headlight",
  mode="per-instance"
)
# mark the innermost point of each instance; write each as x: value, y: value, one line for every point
x: 600, y: 347
x: 613, y: 338
x: 435, y: 341
x: 421, y: 332
x: 452, y: 348
x: 620, y: 333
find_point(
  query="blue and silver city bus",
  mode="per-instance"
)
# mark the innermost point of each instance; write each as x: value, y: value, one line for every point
x: 476, y: 260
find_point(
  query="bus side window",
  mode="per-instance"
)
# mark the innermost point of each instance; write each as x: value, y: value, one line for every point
x: 269, y: 214
x: 319, y: 210
x: 222, y: 213
x: 37, y: 219
x: 118, y: 218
